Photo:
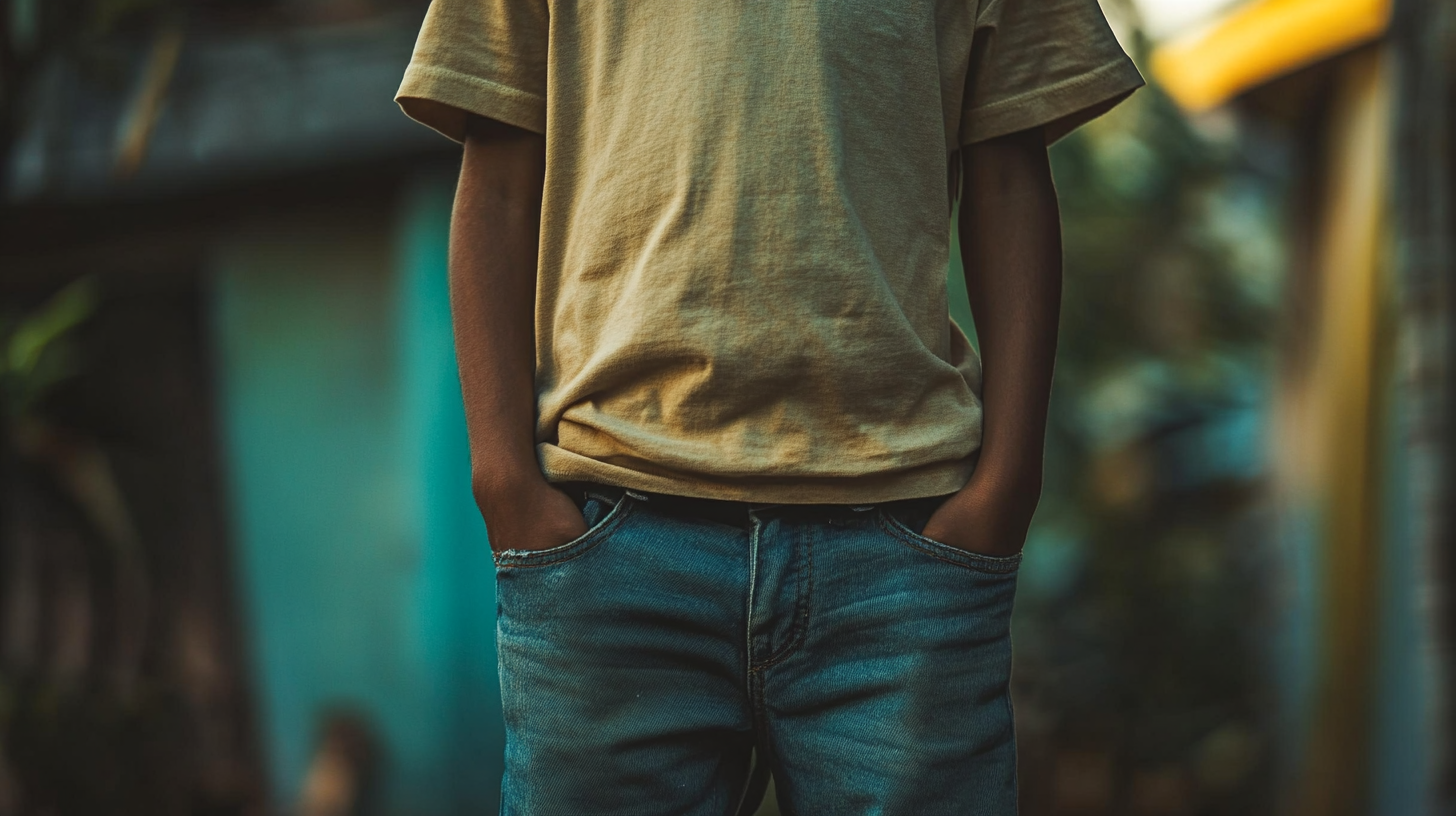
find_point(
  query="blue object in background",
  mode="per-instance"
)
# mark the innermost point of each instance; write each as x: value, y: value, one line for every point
x: 364, y: 567
x: 1402, y: 753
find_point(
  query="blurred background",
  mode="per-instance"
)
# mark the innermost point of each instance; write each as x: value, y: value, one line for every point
x: 240, y: 567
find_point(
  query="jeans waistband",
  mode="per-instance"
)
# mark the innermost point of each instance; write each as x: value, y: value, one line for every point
x: 731, y: 511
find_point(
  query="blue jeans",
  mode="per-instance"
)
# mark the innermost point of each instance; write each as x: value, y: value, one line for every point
x: 644, y: 662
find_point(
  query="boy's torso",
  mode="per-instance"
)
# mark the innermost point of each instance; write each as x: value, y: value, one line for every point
x: 744, y: 241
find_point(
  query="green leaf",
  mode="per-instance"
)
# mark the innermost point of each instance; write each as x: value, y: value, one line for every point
x: 39, y: 332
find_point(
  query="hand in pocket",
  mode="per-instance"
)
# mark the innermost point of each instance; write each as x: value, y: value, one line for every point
x: 534, y: 517
x: 987, y: 517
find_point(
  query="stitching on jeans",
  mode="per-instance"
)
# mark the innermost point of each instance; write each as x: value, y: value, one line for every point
x: 758, y: 704
x: 588, y: 542
x: 973, y: 561
x: 799, y: 632
x: 1015, y: 765
x: 761, y: 737
x: 753, y: 547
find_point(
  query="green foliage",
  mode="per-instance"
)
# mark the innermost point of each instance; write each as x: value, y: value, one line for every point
x: 38, y: 351
x: 1141, y: 584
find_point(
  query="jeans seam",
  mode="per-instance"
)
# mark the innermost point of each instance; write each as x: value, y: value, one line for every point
x: 975, y: 562
x: 1015, y: 760
x: 581, y: 547
x: 798, y: 633
x: 757, y: 705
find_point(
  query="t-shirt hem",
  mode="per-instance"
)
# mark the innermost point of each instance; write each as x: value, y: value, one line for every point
x: 1063, y: 106
x: 440, y: 97
x: 560, y: 465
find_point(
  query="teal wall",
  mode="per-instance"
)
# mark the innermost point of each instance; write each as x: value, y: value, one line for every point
x: 363, y: 563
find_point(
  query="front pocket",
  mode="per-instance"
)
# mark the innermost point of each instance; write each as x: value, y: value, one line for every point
x: 517, y: 559
x: 994, y: 564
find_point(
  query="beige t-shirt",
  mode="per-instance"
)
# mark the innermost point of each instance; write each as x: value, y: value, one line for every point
x: 741, y: 287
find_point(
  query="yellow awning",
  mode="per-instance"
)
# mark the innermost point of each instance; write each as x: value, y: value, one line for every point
x: 1261, y: 41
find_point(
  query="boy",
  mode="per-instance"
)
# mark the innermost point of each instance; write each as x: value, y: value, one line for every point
x: 746, y: 485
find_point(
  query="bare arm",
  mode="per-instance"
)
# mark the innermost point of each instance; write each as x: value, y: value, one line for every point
x: 1011, y: 241
x: 494, y: 240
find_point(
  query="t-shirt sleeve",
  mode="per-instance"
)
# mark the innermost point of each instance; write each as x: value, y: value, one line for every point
x: 486, y: 57
x: 1053, y: 63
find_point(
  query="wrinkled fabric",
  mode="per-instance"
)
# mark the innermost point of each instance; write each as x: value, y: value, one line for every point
x: 642, y: 663
x: 744, y: 236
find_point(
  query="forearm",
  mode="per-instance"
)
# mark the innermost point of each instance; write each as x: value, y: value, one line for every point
x: 494, y: 240
x: 1010, y: 233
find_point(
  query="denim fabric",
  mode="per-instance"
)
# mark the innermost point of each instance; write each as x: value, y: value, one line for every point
x: 643, y: 662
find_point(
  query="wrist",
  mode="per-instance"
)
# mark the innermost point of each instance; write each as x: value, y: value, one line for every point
x: 505, y: 486
x: 1018, y: 472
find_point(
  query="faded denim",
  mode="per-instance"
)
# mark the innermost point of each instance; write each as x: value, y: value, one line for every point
x: 642, y: 663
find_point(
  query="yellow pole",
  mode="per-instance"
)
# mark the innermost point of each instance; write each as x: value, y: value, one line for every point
x: 1333, y: 418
